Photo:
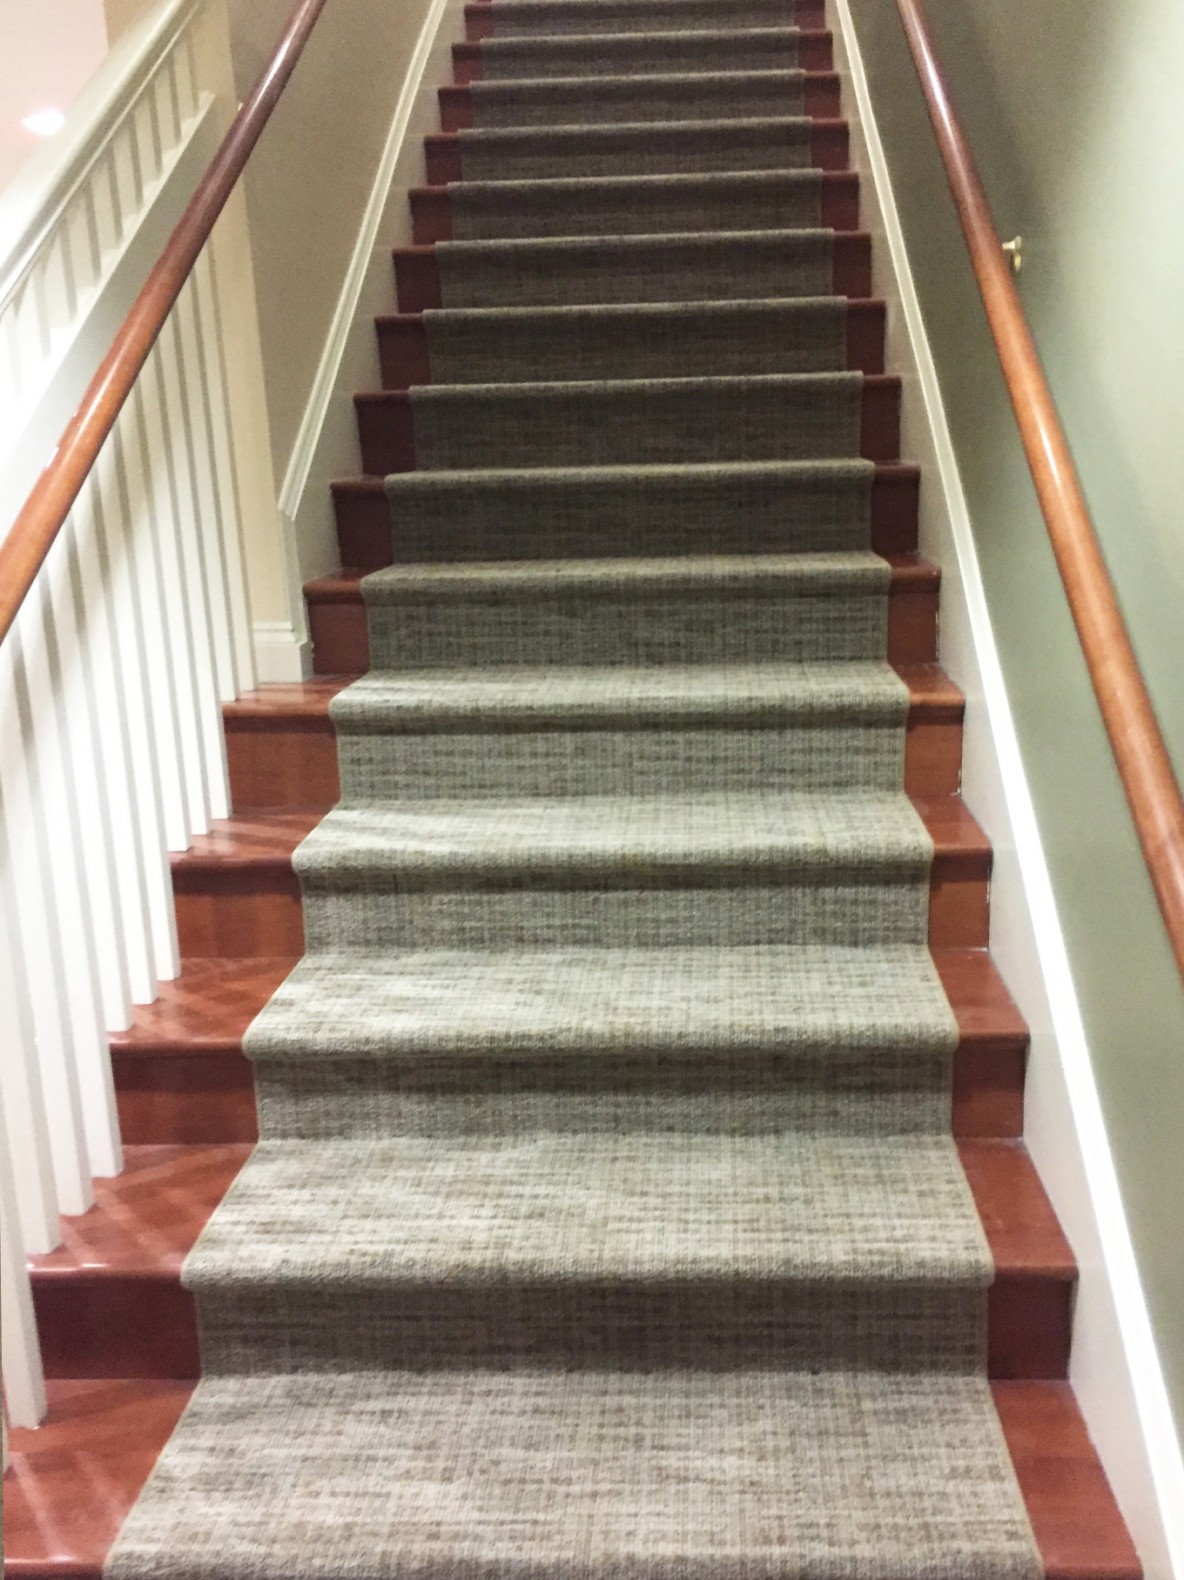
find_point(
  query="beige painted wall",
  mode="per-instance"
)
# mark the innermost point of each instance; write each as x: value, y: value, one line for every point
x: 311, y: 176
x: 1075, y: 115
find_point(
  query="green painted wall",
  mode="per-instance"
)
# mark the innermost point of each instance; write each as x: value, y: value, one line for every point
x: 1075, y: 113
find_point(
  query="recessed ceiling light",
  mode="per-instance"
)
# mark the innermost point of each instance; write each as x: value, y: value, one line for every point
x: 44, y: 123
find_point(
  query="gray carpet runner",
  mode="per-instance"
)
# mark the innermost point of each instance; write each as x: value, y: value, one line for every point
x: 606, y: 1222
x: 593, y: 101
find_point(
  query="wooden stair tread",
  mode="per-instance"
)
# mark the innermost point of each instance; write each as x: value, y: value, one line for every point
x: 73, y: 1481
x: 146, y: 1220
x: 300, y: 699
x: 212, y: 1002
x: 264, y: 841
x: 855, y: 304
x: 931, y: 691
x: 345, y: 586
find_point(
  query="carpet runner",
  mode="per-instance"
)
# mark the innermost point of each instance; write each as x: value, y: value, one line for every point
x: 606, y: 1220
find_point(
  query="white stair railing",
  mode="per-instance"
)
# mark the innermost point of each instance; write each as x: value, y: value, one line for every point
x: 135, y: 631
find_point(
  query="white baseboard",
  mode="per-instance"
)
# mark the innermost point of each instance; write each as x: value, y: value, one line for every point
x: 1115, y: 1370
x: 281, y: 652
x: 326, y: 445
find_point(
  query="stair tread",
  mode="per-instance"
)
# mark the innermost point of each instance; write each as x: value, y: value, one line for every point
x: 594, y: 40
x: 267, y: 839
x: 437, y: 1466
x: 574, y: 1208
x: 740, y: 694
x: 615, y: 130
x: 210, y: 1005
x: 592, y: 835
x: 640, y: 242
x: 932, y: 694
x: 371, y: 485
x: 146, y: 1220
x: 596, y: 389
x: 513, y: 579
x: 557, y: 186
x: 680, y: 1001
x: 106, y: 1434
x: 791, y: 306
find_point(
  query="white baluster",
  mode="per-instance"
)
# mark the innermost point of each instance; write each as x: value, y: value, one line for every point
x: 27, y: 1136
x: 136, y: 869
x: 29, y: 836
x: 90, y: 800
x: 197, y: 507
x: 140, y: 547
x: 24, y: 1380
x: 57, y: 736
x: 123, y: 593
x: 226, y: 551
x: 162, y: 440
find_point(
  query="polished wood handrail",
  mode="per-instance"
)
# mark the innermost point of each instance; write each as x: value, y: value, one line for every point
x: 40, y: 519
x: 1135, y: 737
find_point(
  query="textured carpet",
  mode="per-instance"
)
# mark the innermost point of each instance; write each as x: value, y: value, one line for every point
x: 584, y: 101
x: 606, y: 1223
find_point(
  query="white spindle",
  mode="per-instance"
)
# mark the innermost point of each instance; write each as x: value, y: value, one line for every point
x: 24, y: 1381
x: 82, y: 749
x: 136, y: 867
x: 27, y: 1136
x: 224, y: 548
x: 37, y: 916
x: 158, y: 425
x: 132, y: 526
x: 190, y: 449
x: 55, y: 738
x: 111, y: 514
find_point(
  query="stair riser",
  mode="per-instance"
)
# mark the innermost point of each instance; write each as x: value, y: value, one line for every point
x: 821, y: 100
x: 405, y: 355
x: 341, y: 638
x: 364, y: 531
x: 657, y: 760
x: 121, y: 1325
x: 431, y: 215
x: 815, y: 53
x: 210, y: 1097
x: 418, y: 286
x: 481, y: 20
x: 386, y: 428
x: 256, y: 915
x: 279, y: 767
x: 447, y: 159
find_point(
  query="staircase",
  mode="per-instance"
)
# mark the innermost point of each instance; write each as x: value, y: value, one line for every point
x: 641, y: 1183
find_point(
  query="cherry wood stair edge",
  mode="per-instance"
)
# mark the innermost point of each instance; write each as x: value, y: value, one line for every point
x: 341, y: 640
x: 481, y: 17
x: 418, y: 285
x: 815, y: 53
x: 110, y: 1301
x: 821, y: 98
x: 365, y: 530
x: 431, y: 207
x: 74, y: 1480
x: 281, y: 750
x: 405, y: 357
x: 829, y: 150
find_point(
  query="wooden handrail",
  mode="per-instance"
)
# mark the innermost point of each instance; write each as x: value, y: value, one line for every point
x: 40, y: 519
x: 1135, y: 737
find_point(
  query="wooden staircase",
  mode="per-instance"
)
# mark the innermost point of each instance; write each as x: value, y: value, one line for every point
x: 118, y: 1331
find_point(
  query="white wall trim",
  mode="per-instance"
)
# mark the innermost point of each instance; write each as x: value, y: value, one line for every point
x: 303, y: 470
x: 282, y: 654
x: 1115, y: 1369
